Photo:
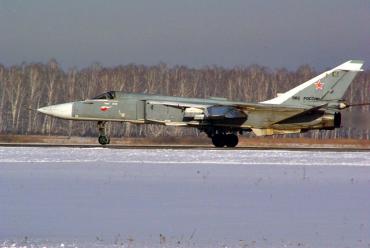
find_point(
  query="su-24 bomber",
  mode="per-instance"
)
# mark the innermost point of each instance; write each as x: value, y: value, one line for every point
x: 315, y: 104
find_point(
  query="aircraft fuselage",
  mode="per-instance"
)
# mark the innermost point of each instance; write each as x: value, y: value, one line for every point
x: 315, y: 104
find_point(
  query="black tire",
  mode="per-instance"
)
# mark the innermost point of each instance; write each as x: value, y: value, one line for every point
x: 104, y: 140
x: 231, y: 140
x: 218, y: 140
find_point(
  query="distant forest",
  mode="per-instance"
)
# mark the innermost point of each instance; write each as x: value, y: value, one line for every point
x: 35, y: 85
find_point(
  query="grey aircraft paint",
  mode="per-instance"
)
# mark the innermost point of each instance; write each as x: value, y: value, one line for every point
x: 315, y: 104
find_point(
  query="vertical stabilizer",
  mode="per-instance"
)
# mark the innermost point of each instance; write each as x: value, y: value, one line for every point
x: 329, y: 86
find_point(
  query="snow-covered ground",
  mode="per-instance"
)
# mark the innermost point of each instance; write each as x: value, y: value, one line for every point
x: 186, y: 156
x: 96, y: 197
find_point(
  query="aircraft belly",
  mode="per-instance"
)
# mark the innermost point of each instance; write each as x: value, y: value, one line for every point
x: 312, y: 121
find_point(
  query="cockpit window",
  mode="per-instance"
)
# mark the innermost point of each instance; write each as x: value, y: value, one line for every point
x: 107, y: 95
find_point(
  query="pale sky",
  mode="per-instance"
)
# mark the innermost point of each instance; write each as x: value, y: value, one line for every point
x: 273, y: 33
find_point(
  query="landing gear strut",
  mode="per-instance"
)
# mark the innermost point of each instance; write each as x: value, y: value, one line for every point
x: 103, y: 138
x: 221, y: 140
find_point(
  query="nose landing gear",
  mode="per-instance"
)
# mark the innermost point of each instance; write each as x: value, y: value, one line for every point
x: 103, y: 138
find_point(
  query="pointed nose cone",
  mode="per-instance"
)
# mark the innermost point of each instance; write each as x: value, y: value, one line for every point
x: 63, y: 111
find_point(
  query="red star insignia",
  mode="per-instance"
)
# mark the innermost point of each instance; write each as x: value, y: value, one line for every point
x: 104, y: 108
x: 319, y: 85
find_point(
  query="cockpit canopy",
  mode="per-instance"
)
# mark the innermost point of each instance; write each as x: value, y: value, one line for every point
x: 110, y: 95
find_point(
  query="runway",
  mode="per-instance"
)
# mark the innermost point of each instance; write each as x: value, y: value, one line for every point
x: 293, y: 147
x: 97, y: 197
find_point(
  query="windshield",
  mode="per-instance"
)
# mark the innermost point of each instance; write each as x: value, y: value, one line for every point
x: 106, y: 95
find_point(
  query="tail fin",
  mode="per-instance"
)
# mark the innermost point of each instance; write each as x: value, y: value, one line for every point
x: 329, y: 86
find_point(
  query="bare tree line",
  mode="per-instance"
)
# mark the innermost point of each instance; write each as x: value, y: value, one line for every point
x: 35, y: 85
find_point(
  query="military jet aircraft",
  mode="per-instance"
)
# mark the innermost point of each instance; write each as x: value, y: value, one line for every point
x: 315, y: 104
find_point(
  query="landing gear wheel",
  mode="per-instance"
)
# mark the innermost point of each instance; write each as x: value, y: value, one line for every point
x: 104, y: 140
x: 231, y: 140
x: 218, y: 140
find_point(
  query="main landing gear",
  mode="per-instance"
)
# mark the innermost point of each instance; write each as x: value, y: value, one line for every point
x: 221, y: 140
x: 223, y: 137
x: 103, y: 138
